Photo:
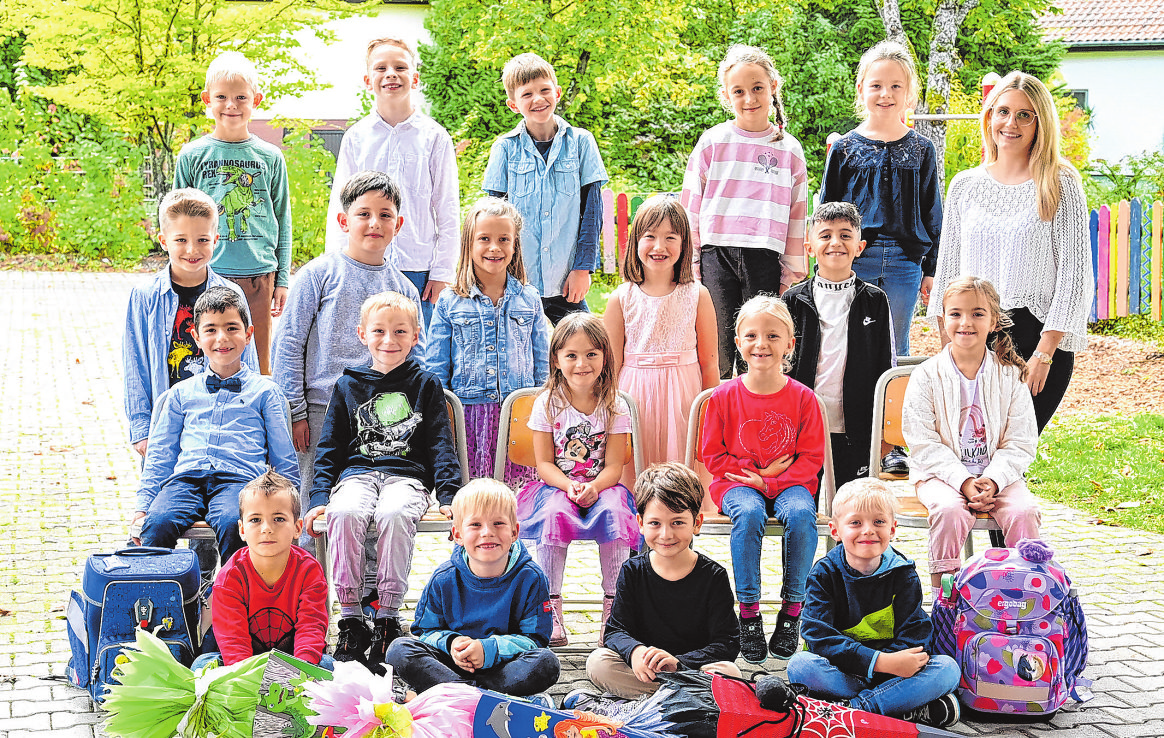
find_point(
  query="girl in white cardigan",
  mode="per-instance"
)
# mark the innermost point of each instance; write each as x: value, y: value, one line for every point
x: 970, y: 426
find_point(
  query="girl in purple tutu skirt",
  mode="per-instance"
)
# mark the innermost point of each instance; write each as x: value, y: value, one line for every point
x: 579, y: 426
x: 488, y: 335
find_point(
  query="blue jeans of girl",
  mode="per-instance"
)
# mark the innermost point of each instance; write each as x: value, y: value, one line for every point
x: 885, y: 265
x: 749, y: 511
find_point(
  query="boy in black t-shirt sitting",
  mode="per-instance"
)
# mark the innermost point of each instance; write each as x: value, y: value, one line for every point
x: 672, y: 606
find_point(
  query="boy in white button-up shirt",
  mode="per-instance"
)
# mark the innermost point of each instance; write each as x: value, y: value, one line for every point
x: 418, y: 154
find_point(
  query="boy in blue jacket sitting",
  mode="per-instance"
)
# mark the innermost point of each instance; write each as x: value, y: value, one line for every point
x: 863, y: 622
x: 484, y: 616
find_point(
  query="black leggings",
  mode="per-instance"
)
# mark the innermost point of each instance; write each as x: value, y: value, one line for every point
x: 1026, y: 332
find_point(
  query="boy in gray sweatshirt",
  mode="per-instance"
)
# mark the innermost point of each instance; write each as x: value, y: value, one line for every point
x: 315, y: 340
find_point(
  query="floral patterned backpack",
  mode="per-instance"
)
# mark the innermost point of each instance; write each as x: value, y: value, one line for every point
x: 1013, y: 623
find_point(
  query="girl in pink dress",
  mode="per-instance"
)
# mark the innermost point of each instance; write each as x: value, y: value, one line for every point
x: 662, y: 329
x: 579, y: 426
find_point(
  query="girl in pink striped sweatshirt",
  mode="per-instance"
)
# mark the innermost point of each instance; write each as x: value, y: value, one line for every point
x: 745, y: 190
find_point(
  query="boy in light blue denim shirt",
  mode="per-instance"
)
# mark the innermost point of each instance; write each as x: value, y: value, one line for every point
x: 212, y: 434
x: 554, y: 174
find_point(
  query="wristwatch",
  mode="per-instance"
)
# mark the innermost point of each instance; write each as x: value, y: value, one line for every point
x: 1040, y: 356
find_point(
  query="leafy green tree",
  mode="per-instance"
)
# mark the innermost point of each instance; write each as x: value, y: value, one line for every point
x: 138, y: 65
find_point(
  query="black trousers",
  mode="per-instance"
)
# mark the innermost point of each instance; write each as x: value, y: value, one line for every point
x: 1026, y: 332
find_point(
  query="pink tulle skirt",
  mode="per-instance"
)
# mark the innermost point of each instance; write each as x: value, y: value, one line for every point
x: 481, y: 437
x: 547, y: 515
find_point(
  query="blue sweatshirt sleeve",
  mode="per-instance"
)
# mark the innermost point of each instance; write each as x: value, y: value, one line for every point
x: 532, y: 630
x: 430, y: 624
x: 589, y: 224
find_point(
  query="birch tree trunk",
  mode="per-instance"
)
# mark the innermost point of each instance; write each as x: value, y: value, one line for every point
x: 943, y: 65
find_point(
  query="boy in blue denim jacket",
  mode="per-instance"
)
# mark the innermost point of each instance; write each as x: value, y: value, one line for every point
x: 158, y: 349
x: 554, y: 174
x: 213, y: 433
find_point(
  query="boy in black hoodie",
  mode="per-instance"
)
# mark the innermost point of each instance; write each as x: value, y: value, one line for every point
x: 863, y: 624
x: 385, y: 440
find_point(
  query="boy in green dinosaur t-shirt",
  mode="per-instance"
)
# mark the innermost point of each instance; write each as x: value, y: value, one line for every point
x: 247, y: 178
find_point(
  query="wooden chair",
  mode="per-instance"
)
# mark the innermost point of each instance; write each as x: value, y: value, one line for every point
x: 714, y: 522
x: 888, y: 398
x: 515, y: 439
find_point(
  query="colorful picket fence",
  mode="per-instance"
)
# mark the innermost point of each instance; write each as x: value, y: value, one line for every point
x: 1126, y: 254
x: 618, y: 212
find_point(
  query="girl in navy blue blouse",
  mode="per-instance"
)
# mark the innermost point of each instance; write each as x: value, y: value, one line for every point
x: 889, y: 172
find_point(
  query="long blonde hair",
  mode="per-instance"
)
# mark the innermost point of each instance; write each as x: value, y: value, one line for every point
x: 999, y: 341
x: 604, y: 387
x: 466, y: 277
x: 1045, y: 160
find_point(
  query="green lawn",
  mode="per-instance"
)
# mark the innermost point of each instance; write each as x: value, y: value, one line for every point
x: 1111, y: 467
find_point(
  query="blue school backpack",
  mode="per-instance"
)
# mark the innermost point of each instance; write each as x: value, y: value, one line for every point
x: 1013, y: 623
x: 142, y: 587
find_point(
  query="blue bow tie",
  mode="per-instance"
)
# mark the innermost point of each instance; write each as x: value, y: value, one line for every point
x: 214, y: 384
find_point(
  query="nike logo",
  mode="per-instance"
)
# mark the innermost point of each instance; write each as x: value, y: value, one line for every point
x: 867, y: 321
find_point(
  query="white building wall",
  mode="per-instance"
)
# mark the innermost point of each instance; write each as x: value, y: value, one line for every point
x: 341, y: 65
x: 1123, y: 92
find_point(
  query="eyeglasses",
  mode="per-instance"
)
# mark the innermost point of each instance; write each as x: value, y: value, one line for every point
x: 1022, y: 118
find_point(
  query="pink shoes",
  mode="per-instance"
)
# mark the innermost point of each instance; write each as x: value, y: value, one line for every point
x: 558, y: 634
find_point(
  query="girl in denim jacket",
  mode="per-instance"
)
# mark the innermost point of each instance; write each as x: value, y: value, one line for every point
x: 488, y: 335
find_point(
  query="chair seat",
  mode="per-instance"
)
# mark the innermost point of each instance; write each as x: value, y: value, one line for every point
x: 721, y: 525
x: 431, y: 522
x: 913, y: 514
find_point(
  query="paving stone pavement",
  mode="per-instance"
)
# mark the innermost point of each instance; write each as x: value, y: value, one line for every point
x: 67, y: 478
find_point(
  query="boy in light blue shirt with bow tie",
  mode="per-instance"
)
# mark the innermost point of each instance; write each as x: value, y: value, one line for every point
x: 213, y: 433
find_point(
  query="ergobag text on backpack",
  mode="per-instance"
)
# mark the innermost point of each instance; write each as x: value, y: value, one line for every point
x: 1014, y: 625
x: 151, y: 588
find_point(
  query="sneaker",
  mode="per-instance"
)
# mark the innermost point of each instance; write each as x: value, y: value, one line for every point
x: 354, y: 638
x: 896, y: 462
x: 384, y: 631
x: 941, y: 713
x: 578, y: 699
x: 558, y: 634
x: 607, y: 603
x: 541, y: 699
x: 752, y: 646
x: 786, y: 638
x: 606, y: 705
x: 370, y: 604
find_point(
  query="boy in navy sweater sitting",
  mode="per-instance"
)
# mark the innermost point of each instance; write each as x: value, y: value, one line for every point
x: 484, y: 616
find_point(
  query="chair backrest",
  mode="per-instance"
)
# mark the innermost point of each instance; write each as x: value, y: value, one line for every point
x: 515, y: 439
x: 457, y: 420
x: 828, y: 486
x: 888, y: 398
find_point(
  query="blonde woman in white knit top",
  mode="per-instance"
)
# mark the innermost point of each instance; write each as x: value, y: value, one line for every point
x: 1020, y: 220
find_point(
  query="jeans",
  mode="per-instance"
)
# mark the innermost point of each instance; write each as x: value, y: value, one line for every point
x: 188, y: 498
x: 749, y: 511
x: 884, y: 694
x: 1026, y: 332
x: 419, y: 280
x: 424, y: 666
x: 325, y: 661
x: 885, y: 265
x: 733, y: 276
x: 558, y: 307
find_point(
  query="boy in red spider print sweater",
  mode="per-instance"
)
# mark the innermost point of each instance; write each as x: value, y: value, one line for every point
x: 270, y: 594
